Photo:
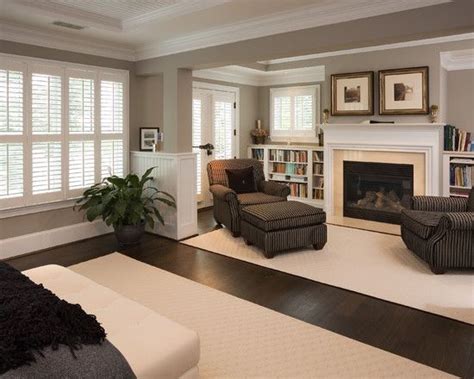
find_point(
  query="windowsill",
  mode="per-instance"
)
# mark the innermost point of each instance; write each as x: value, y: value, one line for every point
x: 293, y: 138
x: 37, y: 208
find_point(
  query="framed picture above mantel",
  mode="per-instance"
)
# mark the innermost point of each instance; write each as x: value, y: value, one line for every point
x: 352, y: 94
x: 404, y: 91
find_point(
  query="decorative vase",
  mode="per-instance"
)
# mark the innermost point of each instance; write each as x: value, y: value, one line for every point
x: 130, y: 234
x: 259, y: 140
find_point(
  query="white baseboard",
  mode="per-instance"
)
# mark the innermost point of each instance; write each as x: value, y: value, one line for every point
x: 29, y: 243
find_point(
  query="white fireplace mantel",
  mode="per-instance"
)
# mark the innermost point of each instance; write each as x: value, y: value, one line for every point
x: 426, y: 139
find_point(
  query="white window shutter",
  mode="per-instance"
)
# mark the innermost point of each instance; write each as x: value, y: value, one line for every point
x: 81, y: 164
x: 46, y: 167
x: 11, y: 102
x: 197, y: 140
x: 112, y: 158
x: 46, y: 111
x: 304, y: 114
x: 223, y: 129
x: 11, y: 170
x: 111, y: 102
x: 81, y: 105
x: 282, y: 112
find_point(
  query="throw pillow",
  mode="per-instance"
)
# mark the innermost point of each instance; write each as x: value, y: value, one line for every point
x: 470, y: 201
x: 241, y: 180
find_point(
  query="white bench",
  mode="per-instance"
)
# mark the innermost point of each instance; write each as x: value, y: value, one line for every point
x: 154, y: 346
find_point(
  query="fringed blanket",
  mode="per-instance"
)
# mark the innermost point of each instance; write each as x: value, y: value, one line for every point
x: 32, y: 318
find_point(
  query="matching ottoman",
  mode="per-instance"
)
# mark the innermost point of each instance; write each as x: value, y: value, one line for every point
x: 283, y: 226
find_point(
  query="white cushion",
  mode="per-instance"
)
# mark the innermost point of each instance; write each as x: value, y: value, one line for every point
x: 153, y: 345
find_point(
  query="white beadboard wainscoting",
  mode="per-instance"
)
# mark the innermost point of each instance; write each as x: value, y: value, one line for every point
x: 175, y: 173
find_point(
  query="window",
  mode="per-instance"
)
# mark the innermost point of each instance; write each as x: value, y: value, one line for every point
x: 63, y: 127
x: 294, y: 111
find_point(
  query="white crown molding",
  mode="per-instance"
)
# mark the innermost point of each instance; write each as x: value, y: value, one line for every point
x: 171, y: 11
x: 458, y: 60
x: 62, y: 41
x: 253, y: 77
x: 302, y: 18
x: 390, y: 46
x: 71, y: 14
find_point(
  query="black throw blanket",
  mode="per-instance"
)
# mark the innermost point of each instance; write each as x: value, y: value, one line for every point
x: 33, y: 318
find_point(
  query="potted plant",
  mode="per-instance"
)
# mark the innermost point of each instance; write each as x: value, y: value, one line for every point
x: 125, y: 203
x: 258, y: 134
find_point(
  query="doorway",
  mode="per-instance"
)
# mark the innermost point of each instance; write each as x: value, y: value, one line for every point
x: 215, y: 127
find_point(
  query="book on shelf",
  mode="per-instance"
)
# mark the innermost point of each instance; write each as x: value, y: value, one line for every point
x: 457, y: 140
x: 289, y: 155
x: 257, y: 154
x: 298, y: 189
x: 318, y: 194
x: 318, y: 182
x: 318, y: 169
x: 461, y: 175
x: 318, y: 156
x: 289, y: 168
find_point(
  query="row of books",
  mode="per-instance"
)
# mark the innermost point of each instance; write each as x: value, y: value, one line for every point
x: 318, y: 169
x: 298, y: 190
x: 457, y: 140
x: 318, y: 194
x: 257, y: 154
x: 318, y: 182
x: 289, y: 168
x: 318, y: 156
x: 461, y: 176
x: 289, y: 155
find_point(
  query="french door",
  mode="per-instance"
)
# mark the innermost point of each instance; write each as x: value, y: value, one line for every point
x: 215, y: 133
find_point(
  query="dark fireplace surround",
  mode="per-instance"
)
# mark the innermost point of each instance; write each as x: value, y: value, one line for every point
x: 377, y: 191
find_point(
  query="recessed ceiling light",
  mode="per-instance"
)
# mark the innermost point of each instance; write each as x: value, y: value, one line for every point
x: 68, y: 25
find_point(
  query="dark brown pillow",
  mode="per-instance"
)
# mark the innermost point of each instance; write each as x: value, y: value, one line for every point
x: 470, y: 201
x: 241, y: 180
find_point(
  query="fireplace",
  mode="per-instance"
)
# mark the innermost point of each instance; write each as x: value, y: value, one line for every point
x: 377, y: 191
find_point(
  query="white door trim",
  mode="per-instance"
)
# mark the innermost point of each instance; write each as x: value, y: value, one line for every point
x: 236, y: 91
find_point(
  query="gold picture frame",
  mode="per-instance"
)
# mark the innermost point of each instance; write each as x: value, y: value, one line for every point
x: 352, y: 94
x: 404, y: 91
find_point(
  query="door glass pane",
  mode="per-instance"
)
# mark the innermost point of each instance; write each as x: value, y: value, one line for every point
x: 223, y: 129
x: 197, y: 138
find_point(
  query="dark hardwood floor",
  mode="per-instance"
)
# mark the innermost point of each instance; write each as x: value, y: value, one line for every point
x: 433, y: 340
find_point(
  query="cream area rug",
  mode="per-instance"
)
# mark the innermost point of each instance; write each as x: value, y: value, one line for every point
x: 371, y: 263
x: 241, y: 339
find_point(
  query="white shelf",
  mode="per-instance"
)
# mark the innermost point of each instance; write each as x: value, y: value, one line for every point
x: 288, y: 162
x: 460, y: 187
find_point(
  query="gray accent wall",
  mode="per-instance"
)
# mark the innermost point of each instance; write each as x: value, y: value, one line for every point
x: 460, y: 99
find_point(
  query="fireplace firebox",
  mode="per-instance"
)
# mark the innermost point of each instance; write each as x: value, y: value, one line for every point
x: 377, y: 191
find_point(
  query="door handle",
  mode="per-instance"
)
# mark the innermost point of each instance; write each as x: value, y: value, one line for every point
x: 208, y: 147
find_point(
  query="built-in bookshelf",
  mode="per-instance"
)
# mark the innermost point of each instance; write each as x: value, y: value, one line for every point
x: 458, y: 173
x: 300, y: 167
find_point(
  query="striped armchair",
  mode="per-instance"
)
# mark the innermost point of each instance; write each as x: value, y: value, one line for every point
x: 440, y: 231
x: 227, y: 203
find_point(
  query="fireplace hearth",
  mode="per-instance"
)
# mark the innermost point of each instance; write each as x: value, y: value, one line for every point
x: 377, y: 191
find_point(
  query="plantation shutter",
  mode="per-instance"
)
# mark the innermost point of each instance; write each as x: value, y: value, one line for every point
x: 304, y: 112
x: 12, y: 77
x: 46, y: 167
x: 112, y: 158
x: 223, y: 105
x: 111, y: 102
x: 46, y: 103
x: 81, y: 164
x: 197, y: 140
x: 282, y: 112
x: 81, y: 105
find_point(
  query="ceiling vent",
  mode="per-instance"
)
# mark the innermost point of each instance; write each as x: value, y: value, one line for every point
x: 68, y: 25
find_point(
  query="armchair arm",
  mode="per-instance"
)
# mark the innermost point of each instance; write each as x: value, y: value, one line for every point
x: 458, y: 221
x: 273, y: 188
x: 223, y: 193
x: 439, y: 204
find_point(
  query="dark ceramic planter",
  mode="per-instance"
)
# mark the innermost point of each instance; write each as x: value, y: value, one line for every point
x: 130, y: 234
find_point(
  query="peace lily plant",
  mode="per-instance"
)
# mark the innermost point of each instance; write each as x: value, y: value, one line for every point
x: 128, y: 204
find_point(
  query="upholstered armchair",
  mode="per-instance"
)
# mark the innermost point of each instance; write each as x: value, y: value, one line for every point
x: 227, y: 203
x: 440, y: 231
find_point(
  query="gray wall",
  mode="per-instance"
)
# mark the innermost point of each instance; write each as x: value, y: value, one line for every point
x: 37, y: 222
x: 460, y: 99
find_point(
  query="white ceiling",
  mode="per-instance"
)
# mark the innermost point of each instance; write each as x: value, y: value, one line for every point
x: 140, y: 29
